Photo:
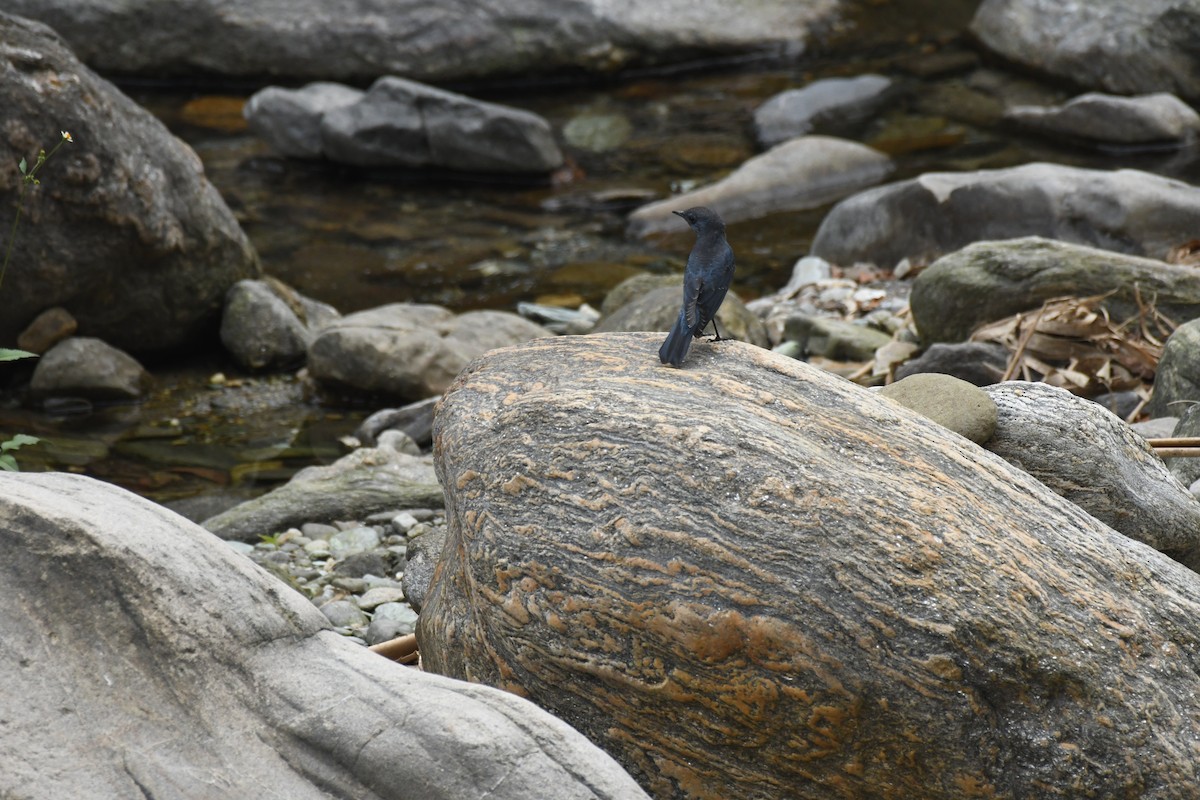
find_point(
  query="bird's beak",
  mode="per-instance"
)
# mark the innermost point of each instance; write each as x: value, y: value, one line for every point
x: 678, y: 214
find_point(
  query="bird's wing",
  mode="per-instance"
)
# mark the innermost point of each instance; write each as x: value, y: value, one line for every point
x: 691, y: 292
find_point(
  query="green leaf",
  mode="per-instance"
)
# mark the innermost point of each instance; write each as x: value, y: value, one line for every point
x: 15, y: 355
x: 22, y: 165
x: 9, y: 463
x: 18, y: 441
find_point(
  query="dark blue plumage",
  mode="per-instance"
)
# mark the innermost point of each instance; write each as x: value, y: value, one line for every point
x: 705, y: 282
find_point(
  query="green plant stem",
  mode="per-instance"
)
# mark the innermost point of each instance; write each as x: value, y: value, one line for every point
x: 26, y: 179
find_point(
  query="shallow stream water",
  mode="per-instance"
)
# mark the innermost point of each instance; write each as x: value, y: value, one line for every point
x: 356, y: 239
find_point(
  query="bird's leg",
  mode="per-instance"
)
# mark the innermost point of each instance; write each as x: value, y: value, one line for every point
x: 717, y: 331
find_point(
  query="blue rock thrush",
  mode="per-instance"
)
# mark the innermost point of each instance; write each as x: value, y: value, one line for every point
x: 705, y: 282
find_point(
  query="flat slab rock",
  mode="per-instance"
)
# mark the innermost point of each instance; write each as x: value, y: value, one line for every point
x: 751, y: 579
x: 144, y: 658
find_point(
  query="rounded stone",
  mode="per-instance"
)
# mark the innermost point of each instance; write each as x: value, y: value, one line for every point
x: 950, y: 402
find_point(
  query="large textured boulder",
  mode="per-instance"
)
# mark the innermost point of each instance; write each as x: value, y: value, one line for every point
x: 409, y: 351
x: 801, y: 173
x: 922, y: 218
x: 988, y: 281
x: 142, y: 657
x: 124, y: 232
x: 1177, y: 381
x: 1092, y: 458
x: 751, y: 579
x: 402, y: 123
x: 1121, y: 47
x: 450, y: 40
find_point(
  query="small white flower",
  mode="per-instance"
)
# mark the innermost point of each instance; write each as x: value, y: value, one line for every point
x: 67, y: 135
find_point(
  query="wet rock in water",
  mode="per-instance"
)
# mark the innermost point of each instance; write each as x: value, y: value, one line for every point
x: 832, y: 106
x: 978, y: 363
x: 289, y: 120
x: 463, y: 41
x: 923, y: 218
x: 402, y: 123
x: 47, y: 329
x: 151, y: 626
x: 1151, y: 119
x: 812, y: 565
x: 657, y: 310
x: 131, y: 238
x: 1177, y: 380
x: 801, y: 173
x: 409, y: 351
x: 1096, y: 461
x: 85, y: 367
x: 268, y: 325
x: 362, y: 483
x: 1120, y: 47
x: 952, y: 403
x: 988, y: 281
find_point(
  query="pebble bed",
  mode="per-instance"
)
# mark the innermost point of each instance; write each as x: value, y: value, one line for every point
x: 352, y: 571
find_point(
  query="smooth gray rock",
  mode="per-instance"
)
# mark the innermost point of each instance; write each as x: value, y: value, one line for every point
x: 366, y: 481
x: 988, y: 281
x: 409, y: 351
x: 800, y: 173
x: 143, y: 658
x: 85, y: 367
x: 402, y: 123
x: 830, y: 105
x: 1114, y: 45
x: 978, y: 363
x: 1186, y: 470
x: 289, y: 120
x: 923, y: 218
x: 124, y: 232
x: 390, y: 621
x: 1177, y: 380
x: 952, y: 403
x: 658, y: 309
x: 1096, y: 461
x: 267, y: 325
x: 423, y: 554
x: 451, y: 40
x: 414, y: 419
x: 1103, y: 118
x: 837, y: 339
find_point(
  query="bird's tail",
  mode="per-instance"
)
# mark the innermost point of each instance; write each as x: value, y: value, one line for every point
x: 675, y: 349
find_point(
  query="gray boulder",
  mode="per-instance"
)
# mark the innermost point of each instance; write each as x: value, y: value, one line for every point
x: 289, y: 120
x: 1177, y: 381
x: 368, y: 481
x: 268, y: 325
x: 978, y: 363
x: 85, y: 367
x: 144, y: 658
x: 923, y: 218
x: 451, y: 40
x: 657, y: 310
x: 401, y: 123
x: 124, y: 232
x: 409, y: 351
x: 760, y: 553
x: 1102, y: 118
x: 831, y: 105
x: 1096, y: 461
x: 800, y: 173
x: 988, y: 281
x: 1113, y: 45
x: 836, y: 339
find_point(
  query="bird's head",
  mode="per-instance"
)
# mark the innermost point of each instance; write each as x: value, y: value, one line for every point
x: 702, y: 219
